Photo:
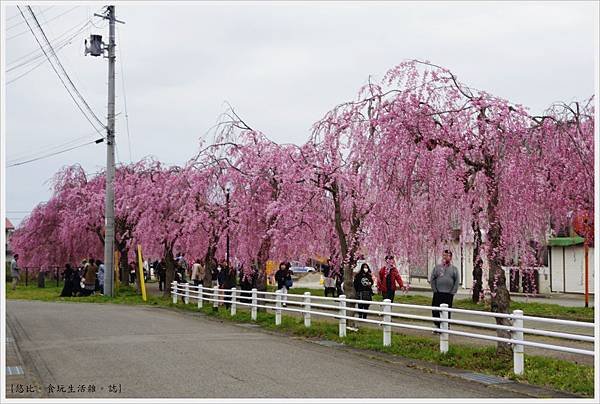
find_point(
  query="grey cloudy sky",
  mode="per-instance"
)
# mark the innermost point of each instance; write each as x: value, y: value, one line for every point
x: 282, y: 66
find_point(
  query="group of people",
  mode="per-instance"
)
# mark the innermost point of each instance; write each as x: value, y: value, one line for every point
x: 388, y: 281
x: 224, y: 277
x: 444, y: 281
x: 88, y: 278
x: 84, y: 280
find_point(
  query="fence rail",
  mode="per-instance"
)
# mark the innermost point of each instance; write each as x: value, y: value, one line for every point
x: 308, y: 306
x: 54, y: 273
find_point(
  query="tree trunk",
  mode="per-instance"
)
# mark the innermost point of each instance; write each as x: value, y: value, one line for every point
x: 262, y: 258
x: 497, y: 280
x: 170, y: 271
x: 209, y: 259
x: 347, y: 254
x: 477, y: 263
x: 124, y: 265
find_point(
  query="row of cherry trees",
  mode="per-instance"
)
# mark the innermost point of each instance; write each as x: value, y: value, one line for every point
x: 400, y: 168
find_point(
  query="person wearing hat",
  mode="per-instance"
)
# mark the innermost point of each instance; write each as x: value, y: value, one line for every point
x: 388, y: 278
x: 444, y: 284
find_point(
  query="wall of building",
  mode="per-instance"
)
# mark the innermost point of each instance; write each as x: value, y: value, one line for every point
x: 567, y: 269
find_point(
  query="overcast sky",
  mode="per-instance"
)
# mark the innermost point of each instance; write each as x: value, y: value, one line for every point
x: 282, y: 66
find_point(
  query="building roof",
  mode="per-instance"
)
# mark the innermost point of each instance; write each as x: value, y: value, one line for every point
x: 565, y: 241
x: 9, y: 225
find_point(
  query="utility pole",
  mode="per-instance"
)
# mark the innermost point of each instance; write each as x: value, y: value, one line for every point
x: 109, y: 204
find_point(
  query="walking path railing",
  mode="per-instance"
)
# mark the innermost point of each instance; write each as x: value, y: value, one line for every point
x: 338, y: 308
x: 50, y: 273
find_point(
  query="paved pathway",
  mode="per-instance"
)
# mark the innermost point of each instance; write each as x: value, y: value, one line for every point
x: 141, y: 351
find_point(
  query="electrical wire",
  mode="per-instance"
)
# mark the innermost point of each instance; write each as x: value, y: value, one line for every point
x: 51, y: 19
x: 48, y: 148
x: 26, y: 73
x: 29, y: 62
x: 63, y: 70
x: 18, y: 15
x: 86, y: 22
x: 56, y: 42
x: 125, y: 99
x: 54, y: 154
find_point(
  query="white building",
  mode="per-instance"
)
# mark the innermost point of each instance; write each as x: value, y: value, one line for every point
x: 567, y: 265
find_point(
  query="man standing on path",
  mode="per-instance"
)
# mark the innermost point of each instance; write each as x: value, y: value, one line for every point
x: 444, y: 283
x: 14, y: 271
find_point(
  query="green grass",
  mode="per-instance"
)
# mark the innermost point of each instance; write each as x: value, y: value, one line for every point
x: 542, y: 371
x: 125, y: 295
x: 531, y: 309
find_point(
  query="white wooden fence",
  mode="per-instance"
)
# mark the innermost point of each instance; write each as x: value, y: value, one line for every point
x: 317, y: 305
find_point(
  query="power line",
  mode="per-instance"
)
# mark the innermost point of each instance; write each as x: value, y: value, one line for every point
x: 125, y: 100
x: 21, y: 22
x: 51, y: 19
x: 57, y: 42
x: 17, y: 15
x: 48, y: 148
x: 60, y: 46
x: 63, y: 70
x: 55, y: 153
x: 26, y: 73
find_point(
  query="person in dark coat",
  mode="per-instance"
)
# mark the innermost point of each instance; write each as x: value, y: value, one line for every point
x: 67, y: 290
x: 329, y: 279
x: 283, y: 277
x: 248, y: 282
x: 363, y: 285
x: 161, y: 268
x: 76, y: 279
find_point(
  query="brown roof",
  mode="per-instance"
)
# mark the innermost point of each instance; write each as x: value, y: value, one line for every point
x: 9, y: 225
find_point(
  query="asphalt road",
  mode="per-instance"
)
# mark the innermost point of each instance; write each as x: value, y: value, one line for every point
x: 153, y: 352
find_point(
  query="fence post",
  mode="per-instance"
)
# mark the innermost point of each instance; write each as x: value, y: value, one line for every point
x: 307, y: 309
x: 518, y: 349
x: 26, y: 276
x: 174, y: 291
x: 254, y: 310
x: 215, y: 298
x: 444, y: 327
x: 342, y: 316
x: 200, y: 295
x: 278, y: 308
x: 233, y: 298
x: 57, y: 269
x: 186, y: 298
x: 387, y: 318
